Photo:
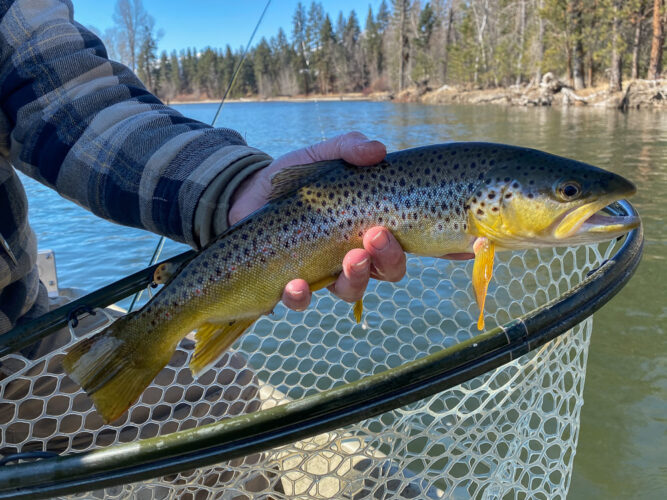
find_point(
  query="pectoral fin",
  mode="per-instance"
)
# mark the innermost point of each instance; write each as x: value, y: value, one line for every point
x: 481, y: 274
x: 213, y: 339
x: 164, y: 272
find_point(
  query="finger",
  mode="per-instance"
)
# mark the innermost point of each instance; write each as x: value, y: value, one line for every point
x: 387, y: 256
x: 355, y: 148
x: 352, y: 282
x: 296, y: 295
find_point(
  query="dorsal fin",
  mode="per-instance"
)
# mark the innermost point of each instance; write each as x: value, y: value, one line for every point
x: 290, y: 179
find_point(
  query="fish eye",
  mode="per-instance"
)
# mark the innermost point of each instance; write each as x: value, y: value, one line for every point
x: 569, y: 190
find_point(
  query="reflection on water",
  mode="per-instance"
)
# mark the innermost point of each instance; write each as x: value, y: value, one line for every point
x: 622, y: 443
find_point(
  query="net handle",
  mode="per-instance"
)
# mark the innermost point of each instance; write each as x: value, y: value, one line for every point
x: 246, y: 434
x: 35, y: 330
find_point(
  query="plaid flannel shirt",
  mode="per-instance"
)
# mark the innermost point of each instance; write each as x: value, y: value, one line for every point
x: 88, y: 128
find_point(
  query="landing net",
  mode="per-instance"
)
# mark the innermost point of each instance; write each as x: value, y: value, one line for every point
x: 510, y: 433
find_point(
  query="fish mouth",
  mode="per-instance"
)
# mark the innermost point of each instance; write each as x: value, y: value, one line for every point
x: 589, y: 223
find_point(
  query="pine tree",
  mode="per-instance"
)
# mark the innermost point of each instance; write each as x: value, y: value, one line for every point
x: 302, y: 48
x: 261, y: 61
x: 423, y: 68
x: 146, y: 61
x: 174, y: 76
x: 401, y: 40
x: 325, y: 56
x: 655, y: 64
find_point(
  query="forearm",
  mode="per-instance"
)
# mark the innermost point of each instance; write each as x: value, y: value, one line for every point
x: 87, y: 127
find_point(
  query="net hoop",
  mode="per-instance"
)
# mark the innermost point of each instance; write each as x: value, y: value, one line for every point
x: 325, y: 411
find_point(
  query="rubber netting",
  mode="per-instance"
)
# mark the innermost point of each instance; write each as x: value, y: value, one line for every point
x: 510, y: 433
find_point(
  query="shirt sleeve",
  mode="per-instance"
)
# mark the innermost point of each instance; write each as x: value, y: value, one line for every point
x: 86, y: 126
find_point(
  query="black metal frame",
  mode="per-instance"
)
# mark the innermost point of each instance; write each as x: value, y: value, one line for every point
x: 332, y: 409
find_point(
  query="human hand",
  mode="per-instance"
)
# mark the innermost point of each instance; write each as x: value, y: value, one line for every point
x: 382, y: 257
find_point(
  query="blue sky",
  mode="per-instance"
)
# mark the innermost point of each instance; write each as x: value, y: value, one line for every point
x: 215, y: 23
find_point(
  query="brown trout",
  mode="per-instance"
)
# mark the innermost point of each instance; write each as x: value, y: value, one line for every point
x: 436, y: 200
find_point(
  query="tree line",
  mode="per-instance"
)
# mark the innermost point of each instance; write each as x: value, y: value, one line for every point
x: 409, y: 43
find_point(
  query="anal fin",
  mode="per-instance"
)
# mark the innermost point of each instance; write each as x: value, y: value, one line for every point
x: 323, y: 283
x: 358, y: 309
x: 482, y: 272
x: 212, y: 339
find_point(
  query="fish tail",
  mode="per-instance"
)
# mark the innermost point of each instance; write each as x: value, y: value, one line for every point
x: 112, y: 369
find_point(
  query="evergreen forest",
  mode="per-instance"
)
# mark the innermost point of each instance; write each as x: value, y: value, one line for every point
x: 408, y: 43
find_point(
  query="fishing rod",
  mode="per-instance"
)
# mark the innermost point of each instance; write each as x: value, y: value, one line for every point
x: 161, y: 241
x: 32, y: 331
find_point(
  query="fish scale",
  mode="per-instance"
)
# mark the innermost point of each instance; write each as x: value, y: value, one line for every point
x: 436, y: 200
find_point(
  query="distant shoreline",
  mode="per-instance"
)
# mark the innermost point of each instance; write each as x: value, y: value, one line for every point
x: 636, y: 94
x: 356, y: 96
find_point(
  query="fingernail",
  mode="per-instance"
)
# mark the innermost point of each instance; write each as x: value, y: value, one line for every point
x: 378, y: 273
x: 361, y: 264
x: 293, y: 292
x: 380, y: 241
x: 363, y: 146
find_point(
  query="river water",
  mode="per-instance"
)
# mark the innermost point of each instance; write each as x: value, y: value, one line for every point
x: 622, y: 451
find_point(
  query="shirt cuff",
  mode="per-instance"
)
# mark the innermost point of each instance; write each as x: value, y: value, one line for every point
x: 211, y: 214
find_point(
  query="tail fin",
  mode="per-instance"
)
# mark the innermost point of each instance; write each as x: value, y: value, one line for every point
x: 111, y: 368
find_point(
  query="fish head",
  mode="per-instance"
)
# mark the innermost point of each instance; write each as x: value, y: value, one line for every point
x: 535, y: 199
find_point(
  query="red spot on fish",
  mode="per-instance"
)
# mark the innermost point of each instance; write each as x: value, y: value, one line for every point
x: 298, y: 231
x: 233, y: 268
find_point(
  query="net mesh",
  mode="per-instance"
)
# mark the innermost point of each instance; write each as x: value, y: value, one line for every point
x: 510, y: 433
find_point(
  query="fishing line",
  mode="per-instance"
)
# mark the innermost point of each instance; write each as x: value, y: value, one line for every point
x: 160, y: 243
x: 238, y: 67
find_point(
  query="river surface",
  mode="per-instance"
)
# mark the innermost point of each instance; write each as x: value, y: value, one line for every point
x: 622, y: 451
